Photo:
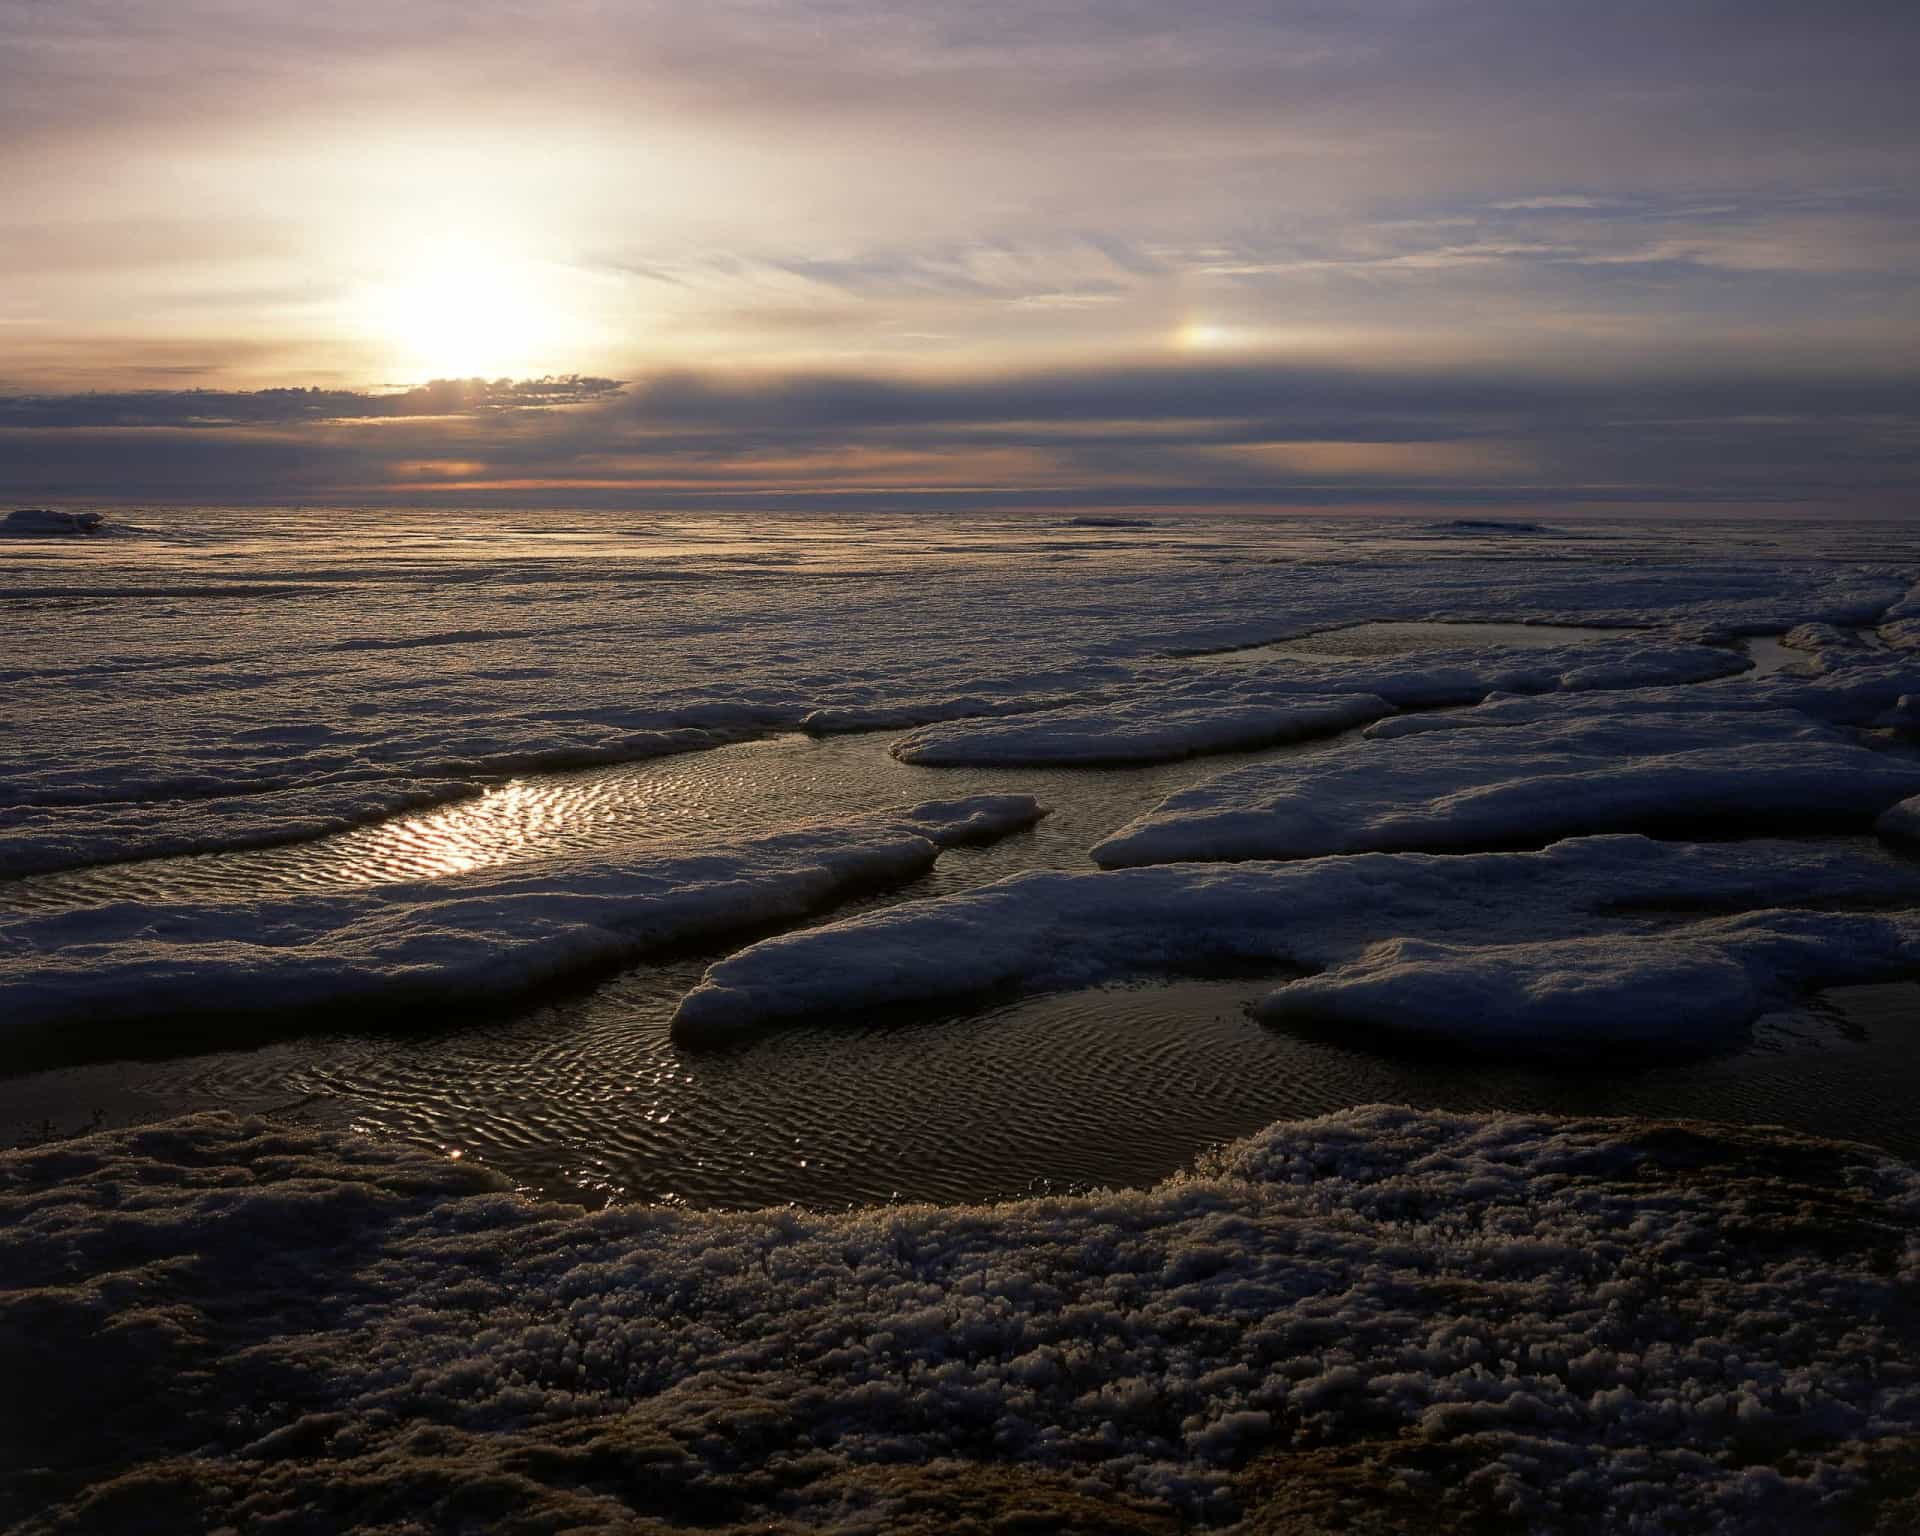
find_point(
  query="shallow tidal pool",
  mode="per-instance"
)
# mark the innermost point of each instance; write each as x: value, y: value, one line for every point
x: 583, y: 1095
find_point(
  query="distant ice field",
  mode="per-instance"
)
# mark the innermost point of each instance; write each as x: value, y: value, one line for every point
x: 225, y: 734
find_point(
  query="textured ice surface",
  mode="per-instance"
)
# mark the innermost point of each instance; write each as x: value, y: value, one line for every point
x: 1141, y: 731
x: 1566, y: 950
x: 466, y: 936
x: 1416, y: 1321
x: 1511, y: 777
x: 1226, y: 707
x: 248, y: 677
x: 1699, y: 986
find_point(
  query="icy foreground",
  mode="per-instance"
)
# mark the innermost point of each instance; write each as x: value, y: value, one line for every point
x: 468, y: 936
x: 1590, y: 946
x: 1434, y: 1322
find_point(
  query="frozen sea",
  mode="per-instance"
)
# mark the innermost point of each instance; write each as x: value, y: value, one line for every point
x: 594, y: 1021
x: 235, y: 732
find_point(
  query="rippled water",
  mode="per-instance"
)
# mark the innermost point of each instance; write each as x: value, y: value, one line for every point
x: 728, y: 792
x: 587, y: 1097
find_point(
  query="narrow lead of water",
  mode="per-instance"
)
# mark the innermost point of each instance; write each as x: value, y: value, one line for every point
x: 697, y: 797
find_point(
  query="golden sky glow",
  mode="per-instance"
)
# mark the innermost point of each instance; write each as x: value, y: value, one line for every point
x: 224, y: 196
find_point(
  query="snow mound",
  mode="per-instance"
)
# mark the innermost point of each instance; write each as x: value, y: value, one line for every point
x: 1429, y: 1322
x: 1585, y: 995
x: 1137, y: 733
x: 471, y: 936
x: 1545, y: 953
x: 1518, y: 778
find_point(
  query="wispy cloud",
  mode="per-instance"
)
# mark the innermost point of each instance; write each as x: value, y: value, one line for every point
x: 461, y: 398
x: 861, y: 202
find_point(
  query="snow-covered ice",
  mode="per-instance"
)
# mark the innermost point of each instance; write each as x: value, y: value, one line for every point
x: 1602, y: 993
x: 1432, y: 1321
x: 1140, y: 732
x: 1567, y: 950
x: 469, y: 936
x: 1420, y: 1320
x: 1226, y: 708
x: 1527, y: 775
x: 260, y: 666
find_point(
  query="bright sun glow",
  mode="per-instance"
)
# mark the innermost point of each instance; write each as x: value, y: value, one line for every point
x: 1207, y: 336
x: 459, y: 309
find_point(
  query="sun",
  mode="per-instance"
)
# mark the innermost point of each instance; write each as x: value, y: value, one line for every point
x: 458, y: 309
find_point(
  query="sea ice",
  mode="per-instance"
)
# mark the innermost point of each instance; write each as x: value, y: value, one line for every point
x: 1145, y: 732
x: 1563, y: 950
x: 1653, y: 991
x: 1518, y: 777
x: 1231, y: 708
x: 467, y: 936
x: 277, y: 658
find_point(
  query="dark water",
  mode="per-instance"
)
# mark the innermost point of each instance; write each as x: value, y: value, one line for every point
x: 586, y: 1096
x: 588, y: 1099
x: 728, y: 792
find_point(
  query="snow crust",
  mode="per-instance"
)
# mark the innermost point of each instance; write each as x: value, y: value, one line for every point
x: 1139, y: 732
x: 1590, y: 946
x: 265, y: 677
x: 464, y: 936
x: 1230, y: 707
x: 1422, y: 1321
x: 1519, y: 774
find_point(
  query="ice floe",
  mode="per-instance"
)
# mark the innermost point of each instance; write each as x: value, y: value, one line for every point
x: 466, y: 936
x: 1152, y: 732
x: 1425, y: 1321
x: 1599, y: 994
x: 1527, y: 775
x: 1564, y: 951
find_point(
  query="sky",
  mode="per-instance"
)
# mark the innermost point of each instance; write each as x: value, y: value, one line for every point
x: 821, y: 253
